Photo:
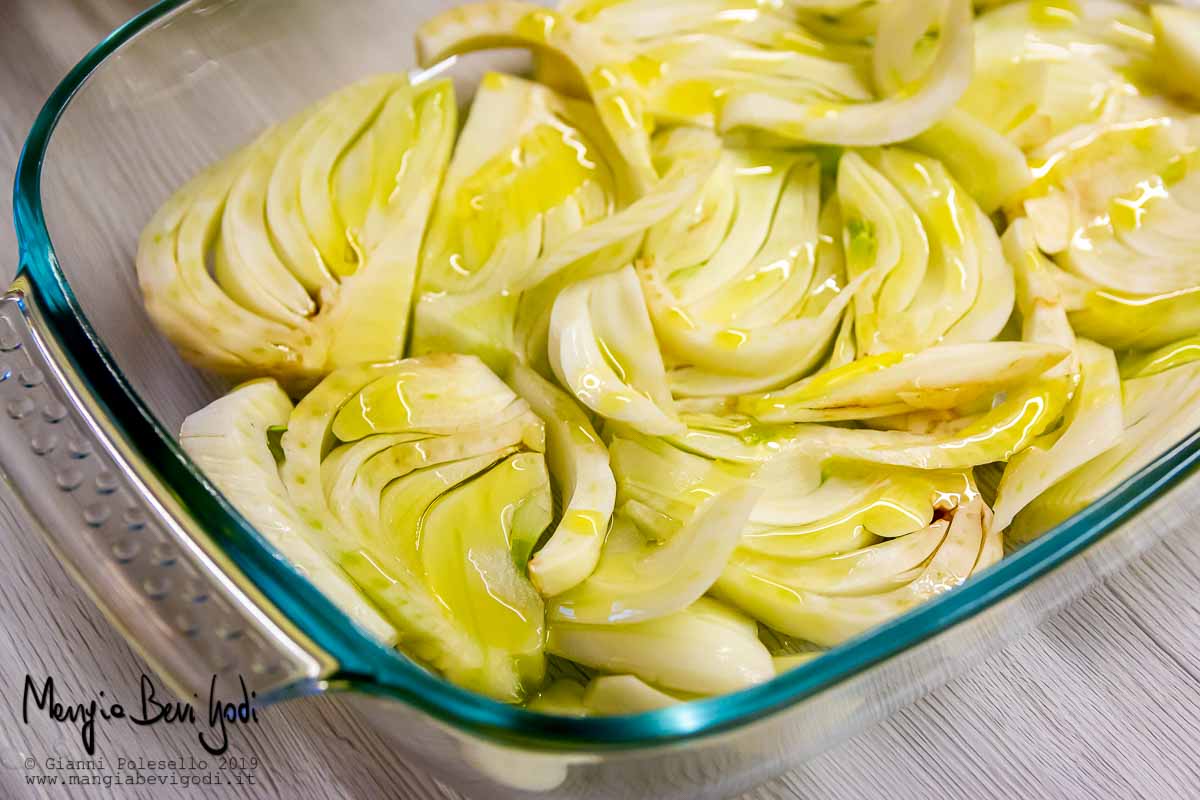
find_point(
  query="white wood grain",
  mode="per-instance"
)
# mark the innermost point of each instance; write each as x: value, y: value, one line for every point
x: 1102, y: 701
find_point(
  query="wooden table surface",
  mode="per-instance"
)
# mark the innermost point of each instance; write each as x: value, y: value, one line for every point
x: 1102, y: 701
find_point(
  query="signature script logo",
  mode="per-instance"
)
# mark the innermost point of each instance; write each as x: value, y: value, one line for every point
x: 222, y: 714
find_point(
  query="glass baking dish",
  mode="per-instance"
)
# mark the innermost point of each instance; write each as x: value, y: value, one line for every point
x: 91, y: 396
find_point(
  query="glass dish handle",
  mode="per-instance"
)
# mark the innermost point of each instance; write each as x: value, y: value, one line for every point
x: 142, y: 557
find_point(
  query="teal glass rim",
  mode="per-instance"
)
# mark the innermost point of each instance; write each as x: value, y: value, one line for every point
x: 371, y: 668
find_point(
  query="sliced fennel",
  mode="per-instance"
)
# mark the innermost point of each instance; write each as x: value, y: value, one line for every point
x: 604, y: 695
x: 602, y: 349
x: 1123, y: 321
x: 531, y: 170
x: 686, y: 55
x: 790, y: 662
x: 1115, y: 204
x: 314, y: 230
x: 1040, y: 301
x: 855, y: 506
x: 730, y: 327
x: 1091, y: 424
x: 637, y: 580
x: 1151, y: 426
x: 739, y: 276
x: 660, y: 486
x: 1112, y: 154
x: 510, y: 23
x: 708, y: 648
x: 625, y: 694
x: 228, y: 441
x: 918, y: 83
x: 425, y: 480
x: 1175, y: 354
x: 470, y: 547
x: 1177, y: 47
x: 1004, y: 430
x: 536, y: 197
x: 781, y: 599
x: 940, y: 377
x: 931, y: 259
x: 868, y: 570
x: 1041, y: 70
x: 1119, y: 320
x: 987, y: 164
x: 578, y: 462
x: 1092, y: 420
x: 563, y: 697
x: 682, y: 61
x: 798, y: 514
